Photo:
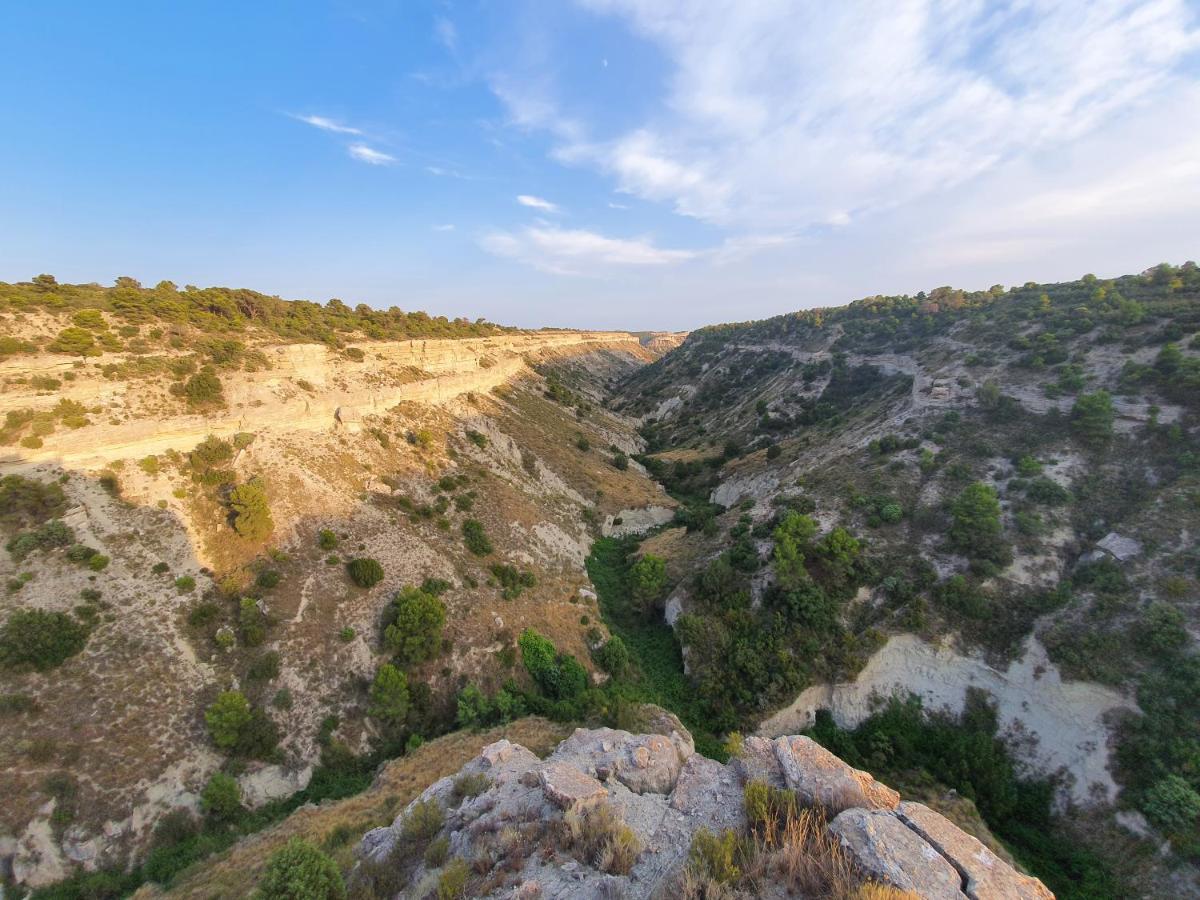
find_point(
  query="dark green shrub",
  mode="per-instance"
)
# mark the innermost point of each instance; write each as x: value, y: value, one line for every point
x: 41, y: 640
x: 299, y: 871
x: 476, y: 538
x: 413, y: 629
x: 222, y: 797
x: 365, y: 572
x: 327, y: 540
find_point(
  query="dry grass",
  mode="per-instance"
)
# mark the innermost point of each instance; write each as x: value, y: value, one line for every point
x: 597, y: 836
x: 234, y: 872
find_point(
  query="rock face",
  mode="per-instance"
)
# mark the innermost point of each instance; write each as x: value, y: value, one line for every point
x: 525, y: 832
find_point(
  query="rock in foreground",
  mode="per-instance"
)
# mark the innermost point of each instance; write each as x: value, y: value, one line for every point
x: 613, y: 814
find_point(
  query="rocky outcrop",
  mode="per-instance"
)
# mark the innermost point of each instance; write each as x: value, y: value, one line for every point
x: 611, y: 813
x: 304, y: 387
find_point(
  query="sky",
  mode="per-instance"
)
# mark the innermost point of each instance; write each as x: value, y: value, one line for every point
x: 636, y: 164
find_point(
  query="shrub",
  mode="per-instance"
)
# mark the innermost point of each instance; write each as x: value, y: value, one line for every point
x: 299, y: 871
x: 478, y: 439
x: 559, y: 675
x: 414, y: 632
x: 614, y: 657
x: 1092, y: 418
x: 423, y: 821
x: 476, y: 538
x: 976, y: 529
x: 98, y: 562
x: 452, y: 883
x: 251, y: 622
x: 227, y: 718
x: 512, y: 582
x: 389, y: 697
x: 620, y: 461
x: 596, y: 836
x: 436, y: 852
x: 471, y: 784
x: 185, y: 584
x: 1162, y: 630
x: 583, y: 443
x: 41, y: 640
x: 222, y: 797
x: 327, y: 540
x: 52, y: 534
x: 648, y: 580
x: 347, y: 634
x: 365, y: 572
x: 203, y: 390
x: 251, y: 514
x: 24, y: 501
x: 264, y: 668
x: 267, y: 579
x: 721, y: 858
x: 1173, y: 804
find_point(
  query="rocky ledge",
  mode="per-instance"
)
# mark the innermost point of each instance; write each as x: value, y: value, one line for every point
x: 615, y: 814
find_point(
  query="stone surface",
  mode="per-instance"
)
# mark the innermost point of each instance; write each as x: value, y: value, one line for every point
x: 988, y: 877
x: 1121, y: 547
x: 819, y: 777
x: 565, y: 786
x: 892, y: 853
x: 526, y: 801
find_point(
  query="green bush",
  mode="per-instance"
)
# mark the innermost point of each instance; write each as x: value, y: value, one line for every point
x: 1092, y: 419
x: 251, y: 513
x: 185, y: 584
x: 413, y: 630
x: 365, y: 572
x: 614, y: 657
x: 475, y: 537
x: 1173, y: 804
x: 559, y: 675
x: 327, y: 540
x: 54, y: 533
x: 452, y: 883
x: 647, y: 581
x: 25, y: 502
x: 228, y: 715
x: 251, y: 622
x: 722, y: 857
x: 478, y: 439
x: 203, y: 390
x: 299, y: 871
x: 222, y: 797
x: 976, y: 530
x: 389, y: 698
x: 423, y: 821
x: 41, y: 640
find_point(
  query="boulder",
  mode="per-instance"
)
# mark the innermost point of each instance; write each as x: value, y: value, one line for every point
x: 892, y: 853
x: 643, y: 762
x: 988, y: 877
x: 757, y: 762
x: 819, y: 777
x: 565, y: 786
x: 1121, y: 547
x: 710, y: 794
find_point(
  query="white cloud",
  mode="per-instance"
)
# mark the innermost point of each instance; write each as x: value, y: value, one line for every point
x: 443, y: 227
x: 784, y: 113
x: 327, y: 124
x: 579, y: 252
x: 446, y: 34
x: 366, y: 154
x: 537, y: 203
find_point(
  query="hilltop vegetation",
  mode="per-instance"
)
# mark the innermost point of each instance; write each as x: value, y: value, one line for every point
x: 165, y: 314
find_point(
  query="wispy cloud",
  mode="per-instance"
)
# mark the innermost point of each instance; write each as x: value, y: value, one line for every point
x: 327, y: 124
x: 786, y: 114
x: 443, y: 227
x: 579, y: 252
x: 537, y: 203
x: 370, y: 155
x: 446, y: 34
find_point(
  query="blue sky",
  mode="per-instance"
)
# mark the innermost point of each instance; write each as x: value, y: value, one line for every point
x: 606, y: 163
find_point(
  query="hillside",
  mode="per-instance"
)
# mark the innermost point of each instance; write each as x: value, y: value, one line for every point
x: 181, y: 505
x: 950, y: 537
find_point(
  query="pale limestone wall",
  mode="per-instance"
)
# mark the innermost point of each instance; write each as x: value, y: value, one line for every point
x: 392, y: 372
